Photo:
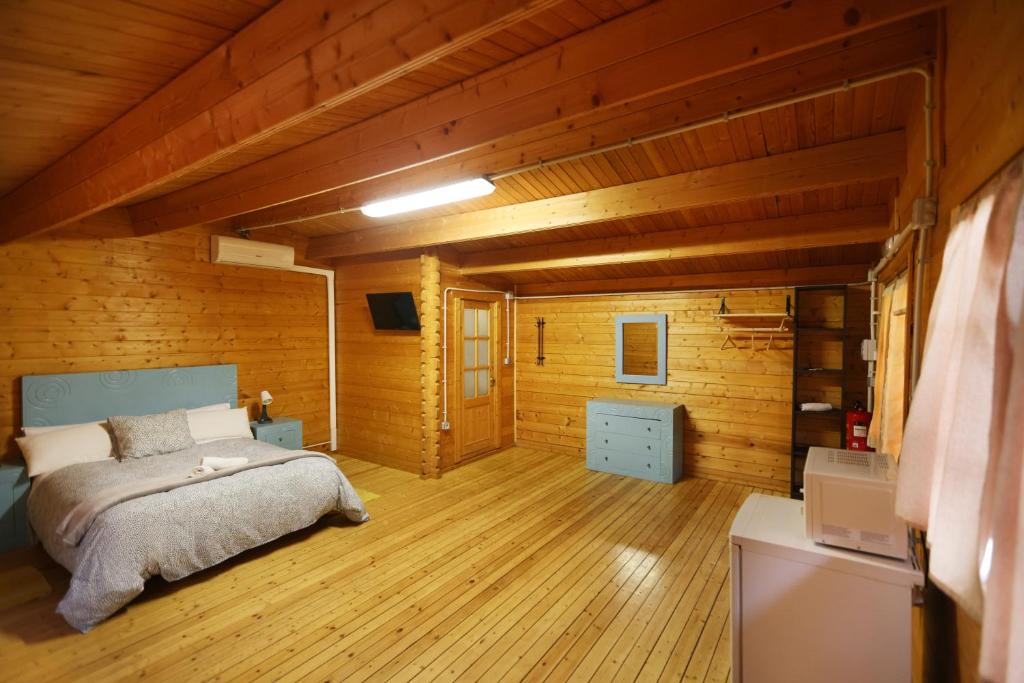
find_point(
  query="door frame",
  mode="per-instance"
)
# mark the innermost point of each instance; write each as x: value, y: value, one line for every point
x: 458, y: 456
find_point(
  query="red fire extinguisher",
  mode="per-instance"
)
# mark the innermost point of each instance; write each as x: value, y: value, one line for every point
x: 857, y: 422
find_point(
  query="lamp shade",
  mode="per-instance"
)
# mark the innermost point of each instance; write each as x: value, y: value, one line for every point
x: 265, y: 398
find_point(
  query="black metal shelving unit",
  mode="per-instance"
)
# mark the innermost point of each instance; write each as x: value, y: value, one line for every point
x: 806, y: 333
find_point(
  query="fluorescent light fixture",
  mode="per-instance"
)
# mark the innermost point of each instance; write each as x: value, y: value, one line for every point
x: 446, y: 194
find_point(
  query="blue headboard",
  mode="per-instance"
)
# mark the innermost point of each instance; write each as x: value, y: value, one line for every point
x: 89, y: 396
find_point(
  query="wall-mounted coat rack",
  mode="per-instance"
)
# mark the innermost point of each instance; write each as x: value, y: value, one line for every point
x: 540, y: 341
x: 752, y: 322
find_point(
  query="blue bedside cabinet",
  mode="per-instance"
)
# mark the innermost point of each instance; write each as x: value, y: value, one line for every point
x: 13, y: 513
x: 285, y: 432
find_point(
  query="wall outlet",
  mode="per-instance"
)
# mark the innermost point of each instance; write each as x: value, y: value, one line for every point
x: 445, y: 426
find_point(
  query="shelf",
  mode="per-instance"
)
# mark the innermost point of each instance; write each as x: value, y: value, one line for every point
x: 800, y: 450
x: 754, y: 315
x: 827, y: 373
x: 742, y: 331
x: 835, y: 412
x: 821, y: 330
x: 810, y: 332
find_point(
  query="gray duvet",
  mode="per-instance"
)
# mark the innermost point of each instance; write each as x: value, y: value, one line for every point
x: 177, y: 532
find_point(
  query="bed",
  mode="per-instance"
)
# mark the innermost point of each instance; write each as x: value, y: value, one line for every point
x: 114, y: 524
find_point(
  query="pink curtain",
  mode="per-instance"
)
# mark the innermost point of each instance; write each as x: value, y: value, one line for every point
x: 960, y: 466
x: 1002, y: 515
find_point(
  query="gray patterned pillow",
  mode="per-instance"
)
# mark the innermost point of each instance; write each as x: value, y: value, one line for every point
x: 138, y: 437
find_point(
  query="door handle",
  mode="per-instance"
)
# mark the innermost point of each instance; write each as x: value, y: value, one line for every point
x: 493, y: 382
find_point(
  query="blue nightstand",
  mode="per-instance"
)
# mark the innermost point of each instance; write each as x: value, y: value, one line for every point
x: 13, y: 513
x: 285, y: 432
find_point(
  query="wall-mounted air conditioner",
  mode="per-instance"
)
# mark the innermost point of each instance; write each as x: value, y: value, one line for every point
x: 241, y: 252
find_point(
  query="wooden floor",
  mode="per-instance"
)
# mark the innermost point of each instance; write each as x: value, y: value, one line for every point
x: 520, y: 566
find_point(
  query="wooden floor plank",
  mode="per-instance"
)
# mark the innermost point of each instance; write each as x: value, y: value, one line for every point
x: 472, y: 583
x: 585, y: 657
x: 700, y: 660
x: 495, y: 652
x: 532, y: 655
x: 433, y: 653
x: 671, y: 654
x: 520, y: 566
x: 721, y: 661
x: 676, y: 597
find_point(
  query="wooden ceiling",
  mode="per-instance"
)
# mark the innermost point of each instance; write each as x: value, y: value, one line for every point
x: 540, y: 30
x: 322, y: 106
x: 68, y: 68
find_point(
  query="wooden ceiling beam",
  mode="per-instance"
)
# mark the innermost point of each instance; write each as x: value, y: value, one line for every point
x: 841, y: 163
x: 299, y: 58
x: 897, y: 45
x: 784, y: 277
x: 651, y: 50
x: 827, y: 229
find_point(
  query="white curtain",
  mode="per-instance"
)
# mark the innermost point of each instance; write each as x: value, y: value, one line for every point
x: 960, y: 465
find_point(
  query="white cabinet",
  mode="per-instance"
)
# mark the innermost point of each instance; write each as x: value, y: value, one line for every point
x: 808, y: 612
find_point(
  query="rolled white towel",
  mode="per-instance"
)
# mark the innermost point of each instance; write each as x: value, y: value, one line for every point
x: 222, y: 463
x: 815, y: 407
x: 200, y: 470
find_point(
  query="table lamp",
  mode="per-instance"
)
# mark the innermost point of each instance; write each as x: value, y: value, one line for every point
x: 265, y: 399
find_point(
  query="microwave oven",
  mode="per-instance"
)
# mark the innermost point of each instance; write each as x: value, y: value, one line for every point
x: 849, y: 501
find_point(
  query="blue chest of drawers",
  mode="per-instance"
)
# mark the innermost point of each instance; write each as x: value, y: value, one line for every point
x: 285, y: 432
x: 642, y: 439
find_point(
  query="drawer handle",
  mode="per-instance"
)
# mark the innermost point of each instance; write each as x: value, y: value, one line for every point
x: 648, y: 446
x: 648, y: 465
x: 648, y: 429
x: 606, y: 423
x: 606, y: 440
x: 606, y: 458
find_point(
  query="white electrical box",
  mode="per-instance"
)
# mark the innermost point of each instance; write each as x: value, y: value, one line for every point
x: 850, y: 499
x: 924, y: 212
x: 868, y: 350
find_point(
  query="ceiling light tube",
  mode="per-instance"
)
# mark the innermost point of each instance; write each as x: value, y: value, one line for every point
x: 446, y: 194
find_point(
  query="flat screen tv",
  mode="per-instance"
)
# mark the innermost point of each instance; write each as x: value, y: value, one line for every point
x: 393, y: 311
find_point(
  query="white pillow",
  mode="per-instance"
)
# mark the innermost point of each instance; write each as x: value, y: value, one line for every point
x: 34, y: 431
x: 217, y: 425
x: 51, y: 450
x: 210, y: 408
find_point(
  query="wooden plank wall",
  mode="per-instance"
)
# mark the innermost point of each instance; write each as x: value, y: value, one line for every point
x: 379, y: 409
x: 380, y: 404
x: 738, y: 400
x: 980, y: 127
x: 83, y: 301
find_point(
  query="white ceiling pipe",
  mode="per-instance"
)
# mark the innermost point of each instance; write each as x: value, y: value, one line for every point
x: 630, y: 142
